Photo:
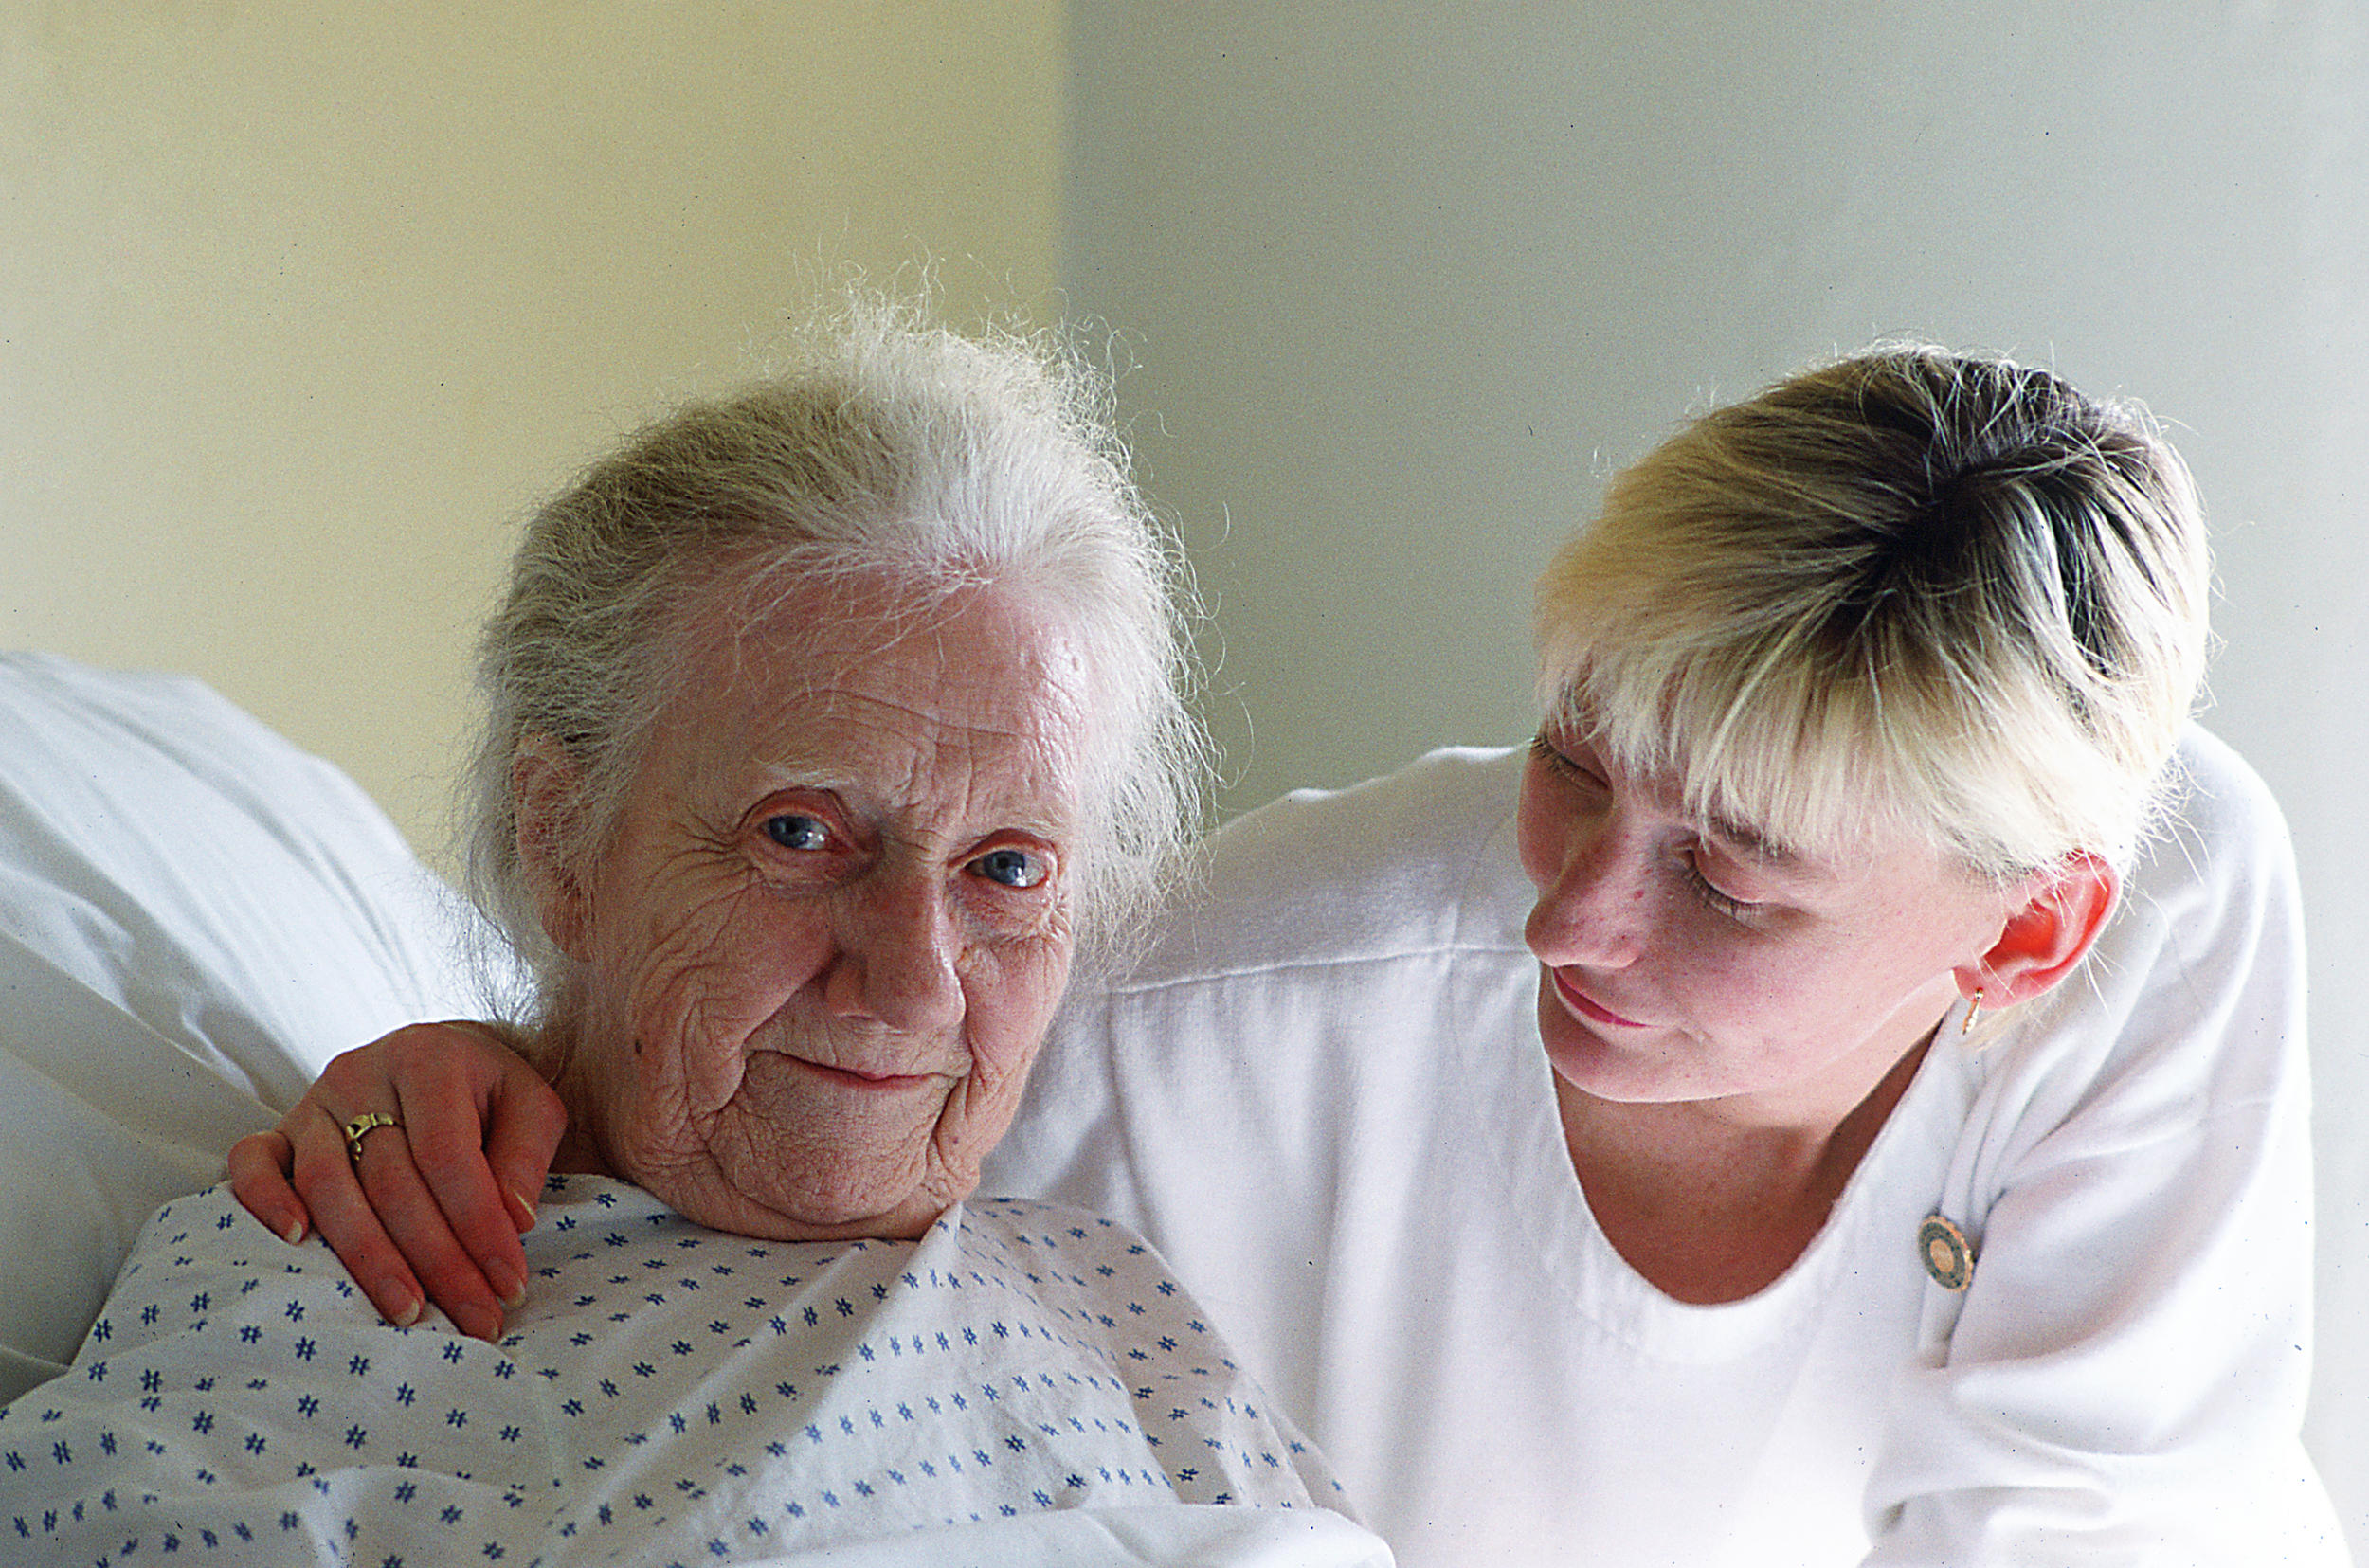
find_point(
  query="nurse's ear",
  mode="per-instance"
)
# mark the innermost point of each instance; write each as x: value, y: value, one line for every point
x: 542, y: 785
x: 2056, y: 915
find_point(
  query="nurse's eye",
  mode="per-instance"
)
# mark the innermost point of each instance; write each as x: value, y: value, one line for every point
x: 793, y: 831
x: 1562, y: 765
x: 1013, y: 868
x: 1716, y: 898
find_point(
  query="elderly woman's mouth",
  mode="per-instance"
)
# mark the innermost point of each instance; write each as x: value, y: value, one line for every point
x: 866, y: 1077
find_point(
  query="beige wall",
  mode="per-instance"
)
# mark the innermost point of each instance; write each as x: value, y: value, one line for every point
x: 300, y: 303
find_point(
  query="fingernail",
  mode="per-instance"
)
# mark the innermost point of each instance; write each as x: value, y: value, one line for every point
x: 408, y: 1313
x: 521, y: 1212
x: 480, y: 1325
x: 293, y: 1232
x: 513, y: 1292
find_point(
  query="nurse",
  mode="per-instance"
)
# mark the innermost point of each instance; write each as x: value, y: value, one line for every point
x: 1837, y: 1096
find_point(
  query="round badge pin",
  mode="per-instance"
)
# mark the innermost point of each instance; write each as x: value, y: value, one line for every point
x: 1949, y: 1255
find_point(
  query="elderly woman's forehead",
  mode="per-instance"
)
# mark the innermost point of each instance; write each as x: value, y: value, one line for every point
x: 826, y: 615
x: 964, y: 671
x: 977, y: 653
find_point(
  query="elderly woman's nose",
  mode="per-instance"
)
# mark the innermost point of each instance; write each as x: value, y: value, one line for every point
x: 898, y: 947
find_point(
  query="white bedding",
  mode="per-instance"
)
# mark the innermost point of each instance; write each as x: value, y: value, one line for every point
x: 193, y: 916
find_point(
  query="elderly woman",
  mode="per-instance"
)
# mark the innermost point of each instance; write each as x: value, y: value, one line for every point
x: 1793, y: 1113
x: 827, y: 722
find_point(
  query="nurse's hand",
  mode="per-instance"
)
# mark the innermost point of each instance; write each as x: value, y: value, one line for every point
x: 432, y: 1206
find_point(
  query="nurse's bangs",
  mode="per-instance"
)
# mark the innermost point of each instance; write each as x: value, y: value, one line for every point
x: 1757, y: 737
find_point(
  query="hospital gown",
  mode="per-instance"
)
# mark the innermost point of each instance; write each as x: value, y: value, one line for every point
x: 670, y: 1394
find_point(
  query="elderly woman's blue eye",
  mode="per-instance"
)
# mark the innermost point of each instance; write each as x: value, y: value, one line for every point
x: 796, y: 832
x: 1014, y: 868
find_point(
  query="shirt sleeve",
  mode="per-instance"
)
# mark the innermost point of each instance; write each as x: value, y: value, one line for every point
x: 2123, y: 1378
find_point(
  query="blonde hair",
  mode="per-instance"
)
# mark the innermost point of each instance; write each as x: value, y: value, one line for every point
x: 1910, y: 591
x: 890, y: 449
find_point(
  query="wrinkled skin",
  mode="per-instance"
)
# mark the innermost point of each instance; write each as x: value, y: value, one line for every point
x: 817, y: 958
x: 822, y: 950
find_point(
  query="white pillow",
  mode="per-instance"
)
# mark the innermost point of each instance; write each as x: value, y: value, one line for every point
x: 195, y: 915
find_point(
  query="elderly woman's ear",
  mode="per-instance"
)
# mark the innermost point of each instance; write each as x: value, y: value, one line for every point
x: 543, y: 779
x: 2057, y: 914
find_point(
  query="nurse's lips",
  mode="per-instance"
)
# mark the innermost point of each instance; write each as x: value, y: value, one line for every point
x: 1580, y: 1002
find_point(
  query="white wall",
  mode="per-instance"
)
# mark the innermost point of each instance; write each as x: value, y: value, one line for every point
x: 302, y: 304
x: 1408, y: 280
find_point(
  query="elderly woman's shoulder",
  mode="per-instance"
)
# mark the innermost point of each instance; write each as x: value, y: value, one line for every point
x: 1415, y: 860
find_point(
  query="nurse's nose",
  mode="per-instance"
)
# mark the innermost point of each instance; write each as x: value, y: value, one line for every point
x: 1594, y: 911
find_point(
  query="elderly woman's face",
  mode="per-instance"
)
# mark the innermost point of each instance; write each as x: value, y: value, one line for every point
x: 825, y: 943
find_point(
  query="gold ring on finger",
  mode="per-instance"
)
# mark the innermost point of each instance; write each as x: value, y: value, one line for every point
x: 361, y: 1126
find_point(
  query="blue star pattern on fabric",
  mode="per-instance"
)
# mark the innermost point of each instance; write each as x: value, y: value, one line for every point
x: 669, y: 1394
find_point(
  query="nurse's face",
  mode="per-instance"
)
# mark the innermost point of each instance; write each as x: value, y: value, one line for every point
x: 1686, y: 960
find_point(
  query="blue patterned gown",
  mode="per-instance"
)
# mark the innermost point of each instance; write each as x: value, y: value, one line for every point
x: 669, y: 1394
